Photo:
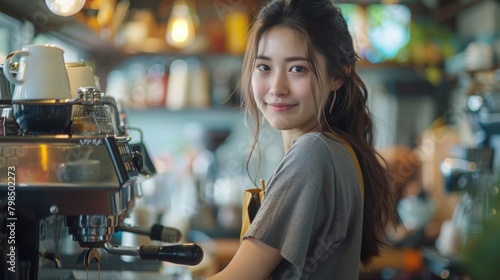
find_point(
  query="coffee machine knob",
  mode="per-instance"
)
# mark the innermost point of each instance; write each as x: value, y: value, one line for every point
x: 138, y: 161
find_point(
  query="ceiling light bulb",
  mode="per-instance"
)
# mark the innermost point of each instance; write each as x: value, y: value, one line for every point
x: 65, y: 7
x: 180, y: 27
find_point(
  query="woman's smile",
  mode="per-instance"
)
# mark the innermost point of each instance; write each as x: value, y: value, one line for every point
x: 281, y: 107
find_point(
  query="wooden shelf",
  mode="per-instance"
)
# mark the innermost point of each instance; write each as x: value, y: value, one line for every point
x: 68, y: 29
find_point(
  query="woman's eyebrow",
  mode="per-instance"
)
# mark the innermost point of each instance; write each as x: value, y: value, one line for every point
x: 291, y: 58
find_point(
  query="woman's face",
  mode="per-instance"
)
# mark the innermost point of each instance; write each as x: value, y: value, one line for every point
x: 282, y: 80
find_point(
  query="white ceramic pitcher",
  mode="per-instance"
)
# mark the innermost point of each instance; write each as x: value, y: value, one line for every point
x: 42, y: 74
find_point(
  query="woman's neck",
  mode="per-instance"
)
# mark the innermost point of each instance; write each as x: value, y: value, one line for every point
x: 289, y: 136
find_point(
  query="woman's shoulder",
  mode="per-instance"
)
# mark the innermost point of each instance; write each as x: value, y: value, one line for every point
x: 316, y: 141
x: 317, y: 146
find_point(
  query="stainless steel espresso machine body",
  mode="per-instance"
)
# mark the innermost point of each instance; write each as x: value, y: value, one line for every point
x: 63, y: 196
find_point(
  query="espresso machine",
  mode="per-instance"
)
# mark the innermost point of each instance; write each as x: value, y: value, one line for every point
x: 70, y: 177
x: 472, y: 170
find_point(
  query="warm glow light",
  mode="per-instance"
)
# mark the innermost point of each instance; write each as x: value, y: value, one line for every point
x: 61, y: 136
x: 180, y: 30
x: 44, y: 157
x: 180, y: 27
x: 65, y: 7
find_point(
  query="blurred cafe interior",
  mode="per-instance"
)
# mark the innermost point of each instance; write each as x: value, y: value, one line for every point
x: 147, y: 182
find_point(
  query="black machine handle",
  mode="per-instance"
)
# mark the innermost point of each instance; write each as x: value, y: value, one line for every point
x: 186, y: 254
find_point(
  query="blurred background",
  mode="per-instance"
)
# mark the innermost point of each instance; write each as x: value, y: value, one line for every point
x: 432, y: 70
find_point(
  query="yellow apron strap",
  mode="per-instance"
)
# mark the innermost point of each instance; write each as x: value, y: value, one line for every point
x: 356, y: 164
x: 358, y: 169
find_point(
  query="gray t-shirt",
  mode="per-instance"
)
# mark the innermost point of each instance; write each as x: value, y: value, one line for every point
x: 312, y: 211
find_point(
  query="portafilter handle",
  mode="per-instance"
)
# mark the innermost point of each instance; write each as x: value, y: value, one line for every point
x: 185, y: 254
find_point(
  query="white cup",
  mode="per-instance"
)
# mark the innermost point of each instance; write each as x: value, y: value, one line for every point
x: 79, y: 76
x: 41, y: 76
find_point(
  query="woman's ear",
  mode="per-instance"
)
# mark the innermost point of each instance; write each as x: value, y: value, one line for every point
x: 336, y: 83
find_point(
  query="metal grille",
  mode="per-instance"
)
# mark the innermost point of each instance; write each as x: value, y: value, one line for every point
x: 80, y: 274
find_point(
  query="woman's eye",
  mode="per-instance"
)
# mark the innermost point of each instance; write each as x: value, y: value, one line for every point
x: 263, y: 67
x: 297, y: 69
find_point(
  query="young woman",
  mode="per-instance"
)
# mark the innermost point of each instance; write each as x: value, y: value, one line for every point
x: 328, y: 204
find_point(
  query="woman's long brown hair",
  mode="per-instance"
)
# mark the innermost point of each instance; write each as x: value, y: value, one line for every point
x: 325, y: 32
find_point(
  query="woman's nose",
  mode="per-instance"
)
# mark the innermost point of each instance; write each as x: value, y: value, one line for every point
x: 279, y: 86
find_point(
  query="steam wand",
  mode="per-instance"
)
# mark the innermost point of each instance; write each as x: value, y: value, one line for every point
x: 185, y: 254
x: 156, y: 232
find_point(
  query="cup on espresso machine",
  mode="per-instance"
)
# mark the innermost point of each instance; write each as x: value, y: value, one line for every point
x: 41, y: 100
x: 79, y: 75
x: 42, y: 74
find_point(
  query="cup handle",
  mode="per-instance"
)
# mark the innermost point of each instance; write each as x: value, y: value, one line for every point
x: 6, y: 69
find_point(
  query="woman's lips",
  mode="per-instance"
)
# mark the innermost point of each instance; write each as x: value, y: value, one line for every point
x: 280, y: 107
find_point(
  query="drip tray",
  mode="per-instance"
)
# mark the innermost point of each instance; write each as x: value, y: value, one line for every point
x: 80, y: 274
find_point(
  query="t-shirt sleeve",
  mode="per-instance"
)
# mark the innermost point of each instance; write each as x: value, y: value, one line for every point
x: 286, y: 218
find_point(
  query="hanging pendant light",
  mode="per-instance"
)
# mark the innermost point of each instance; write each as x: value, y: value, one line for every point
x: 181, y: 25
x: 65, y: 7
